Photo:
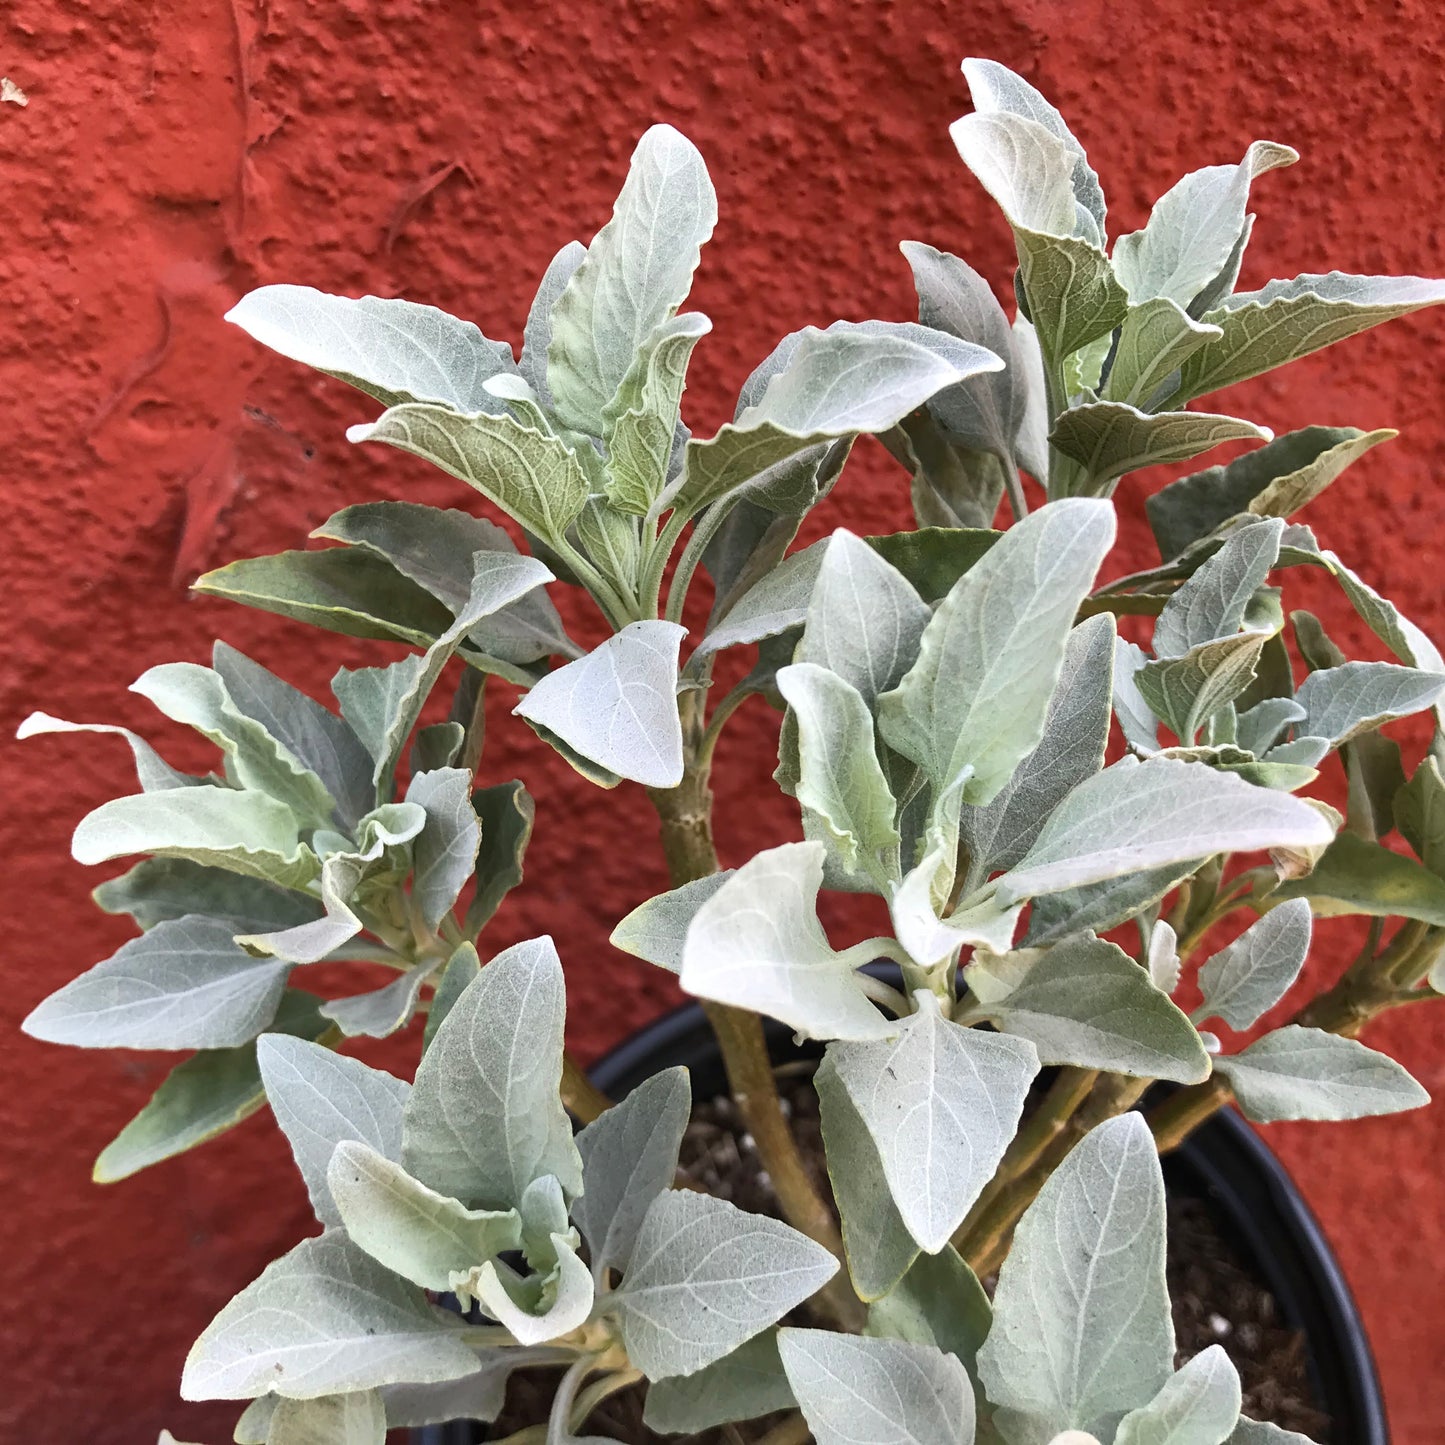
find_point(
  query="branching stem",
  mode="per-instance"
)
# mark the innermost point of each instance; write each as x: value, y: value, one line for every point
x: 685, y: 813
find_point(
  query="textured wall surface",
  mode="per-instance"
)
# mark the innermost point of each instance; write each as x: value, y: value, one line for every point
x: 171, y: 157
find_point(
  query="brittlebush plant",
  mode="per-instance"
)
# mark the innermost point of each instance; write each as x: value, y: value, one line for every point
x: 947, y: 698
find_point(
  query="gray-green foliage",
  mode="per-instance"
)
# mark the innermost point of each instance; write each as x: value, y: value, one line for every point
x: 300, y: 848
x: 346, y: 1312
x: 947, y: 695
x: 1081, y: 1329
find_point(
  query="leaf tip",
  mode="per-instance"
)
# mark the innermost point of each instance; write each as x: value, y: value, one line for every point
x: 34, y: 725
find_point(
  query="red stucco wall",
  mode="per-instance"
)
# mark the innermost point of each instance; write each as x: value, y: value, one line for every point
x: 172, y: 156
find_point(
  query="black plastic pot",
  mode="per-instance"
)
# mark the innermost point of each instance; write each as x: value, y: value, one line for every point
x: 1224, y: 1164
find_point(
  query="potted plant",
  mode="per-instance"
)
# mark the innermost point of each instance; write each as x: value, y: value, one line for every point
x: 947, y: 700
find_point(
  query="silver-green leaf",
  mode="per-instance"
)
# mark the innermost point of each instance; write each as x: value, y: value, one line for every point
x: 854, y: 377
x: 617, y: 706
x: 1212, y: 603
x: 240, y: 830
x: 773, y: 604
x: 537, y: 333
x: 942, y: 1103
x: 1198, y: 1405
x: 1342, y: 702
x: 444, y: 853
x: 535, y: 479
x: 841, y: 782
x: 196, y: 696
x: 1081, y: 1329
x: 321, y: 1099
x: 423, y: 1236
x: 1286, y: 320
x: 1075, y: 732
x: 437, y: 548
x: 1086, y: 1002
x: 1248, y: 977
x: 705, y: 1277
x: 1193, y: 228
x: 1109, y: 438
x: 997, y: 89
x: 637, y: 272
x: 396, y: 351
x: 325, y: 1319
x: 358, y: 1418
x: 741, y: 1386
x: 991, y: 657
x: 757, y: 944
x: 1305, y: 1073
x: 629, y: 1156
x: 184, y: 985
x: 484, y: 1118
x: 876, y: 1242
x: 656, y: 930
x: 853, y: 1388
x: 864, y: 619
x: 1153, y: 342
x: 384, y: 704
x: 1137, y: 816
x: 1029, y: 169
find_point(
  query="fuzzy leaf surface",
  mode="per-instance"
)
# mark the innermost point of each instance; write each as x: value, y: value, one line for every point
x: 321, y: 1099
x: 1135, y: 816
x: 1198, y: 1405
x: 325, y: 1319
x: 1086, y: 1002
x: 535, y: 479
x: 1342, y: 702
x: 942, y: 1103
x: 636, y: 273
x: 757, y: 943
x: 1286, y: 320
x: 629, y: 1156
x: 1109, y: 438
x: 202, y: 1097
x: 1075, y: 731
x: 618, y: 705
x: 1304, y: 1073
x: 484, y: 1118
x: 396, y: 351
x: 423, y: 1236
x: 1248, y: 977
x: 184, y: 985
x: 851, y: 1388
x: 705, y: 1277
x: 1081, y: 1328
x: 991, y: 656
x: 876, y: 1242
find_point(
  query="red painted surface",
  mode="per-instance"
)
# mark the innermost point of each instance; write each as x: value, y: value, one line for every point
x: 173, y: 157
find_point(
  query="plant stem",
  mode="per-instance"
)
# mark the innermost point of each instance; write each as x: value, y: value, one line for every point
x: 988, y: 1241
x: 731, y: 702
x: 594, y: 1394
x: 790, y: 1431
x: 685, y: 813
x: 618, y: 609
x: 650, y: 587
x: 702, y: 533
x: 1372, y: 984
x: 581, y: 1096
x: 1043, y: 1126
